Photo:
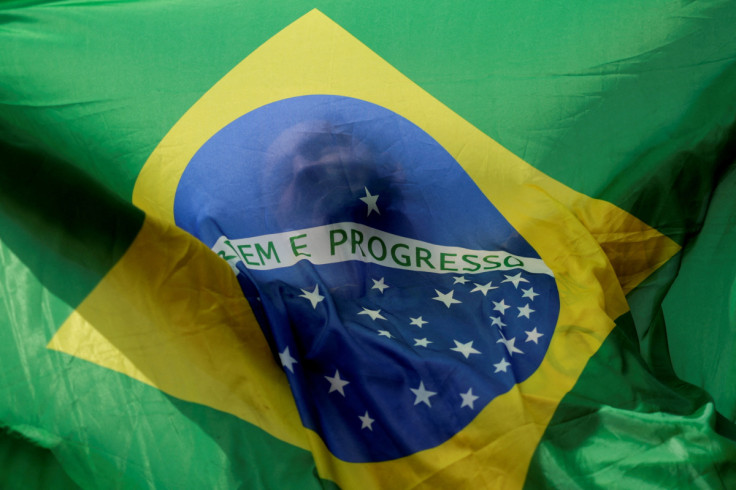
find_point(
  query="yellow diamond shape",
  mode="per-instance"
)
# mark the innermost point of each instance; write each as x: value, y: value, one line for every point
x: 171, y: 313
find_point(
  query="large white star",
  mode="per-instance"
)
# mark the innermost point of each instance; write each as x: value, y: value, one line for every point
x: 379, y: 284
x: 286, y: 360
x: 509, y: 343
x: 529, y: 293
x: 370, y: 201
x: 314, y: 297
x: 465, y: 349
x: 496, y: 320
x: 468, y: 399
x: 500, y: 306
x: 446, y: 298
x: 417, y: 321
x: 422, y: 394
x: 515, y: 280
x: 501, y: 366
x: 460, y: 280
x: 366, y: 422
x: 484, y: 288
x: 385, y: 333
x: 374, y: 314
x: 533, y: 335
x: 525, y: 311
x: 422, y: 342
x: 337, y: 384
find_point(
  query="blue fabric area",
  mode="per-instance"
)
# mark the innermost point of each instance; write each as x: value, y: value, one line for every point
x: 419, y: 368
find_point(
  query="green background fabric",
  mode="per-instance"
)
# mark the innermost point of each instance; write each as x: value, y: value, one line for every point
x: 632, y: 102
x: 700, y: 309
x: 26, y: 465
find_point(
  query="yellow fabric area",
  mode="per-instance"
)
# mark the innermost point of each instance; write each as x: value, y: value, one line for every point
x: 171, y: 314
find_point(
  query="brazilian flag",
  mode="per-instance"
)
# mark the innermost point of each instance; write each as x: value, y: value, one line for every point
x: 367, y: 245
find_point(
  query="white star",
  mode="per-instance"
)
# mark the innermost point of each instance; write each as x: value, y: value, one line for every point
x: 385, y: 333
x: 422, y: 394
x: 465, y: 349
x: 286, y: 360
x: 524, y: 311
x: 370, y: 201
x: 515, y: 280
x: 496, y: 320
x: 314, y: 297
x: 468, y: 399
x: 422, y: 342
x: 529, y: 293
x: 533, y: 335
x: 366, y: 421
x: 483, y: 289
x: 501, y: 366
x: 460, y: 280
x: 380, y: 285
x: 337, y: 384
x: 374, y: 314
x: 500, y: 306
x: 446, y: 298
x: 509, y: 343
x: 417, y: 321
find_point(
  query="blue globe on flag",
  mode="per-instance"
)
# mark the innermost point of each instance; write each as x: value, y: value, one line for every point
x: 397, y: 298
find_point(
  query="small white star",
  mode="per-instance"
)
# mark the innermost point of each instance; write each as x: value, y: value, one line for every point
x: 529, y: 293
x: 460, y: 280
x: 380, y: 285
x: 509, y: 343
x: 422, y: 394
x: 533, y: 335
x: 468, y: 399
x: 515, y: 280
x: 500, y: 306
x: 370, y: 201
x: 465, y: 349
x: 374, y: 314
x: 483, y: 289
x: 385, y: 333
x: 496, y: 320
x: 422, y: 342
x: 314, y: 297
x: 366, y: 421
x: 417, y: 321
x: 337, y: 384
x: 446, y: 298
x: 286, y: 360
x: 501, y: 366
x: 524, y: 311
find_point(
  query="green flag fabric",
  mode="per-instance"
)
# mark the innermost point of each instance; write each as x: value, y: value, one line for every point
x: 182, y: 309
